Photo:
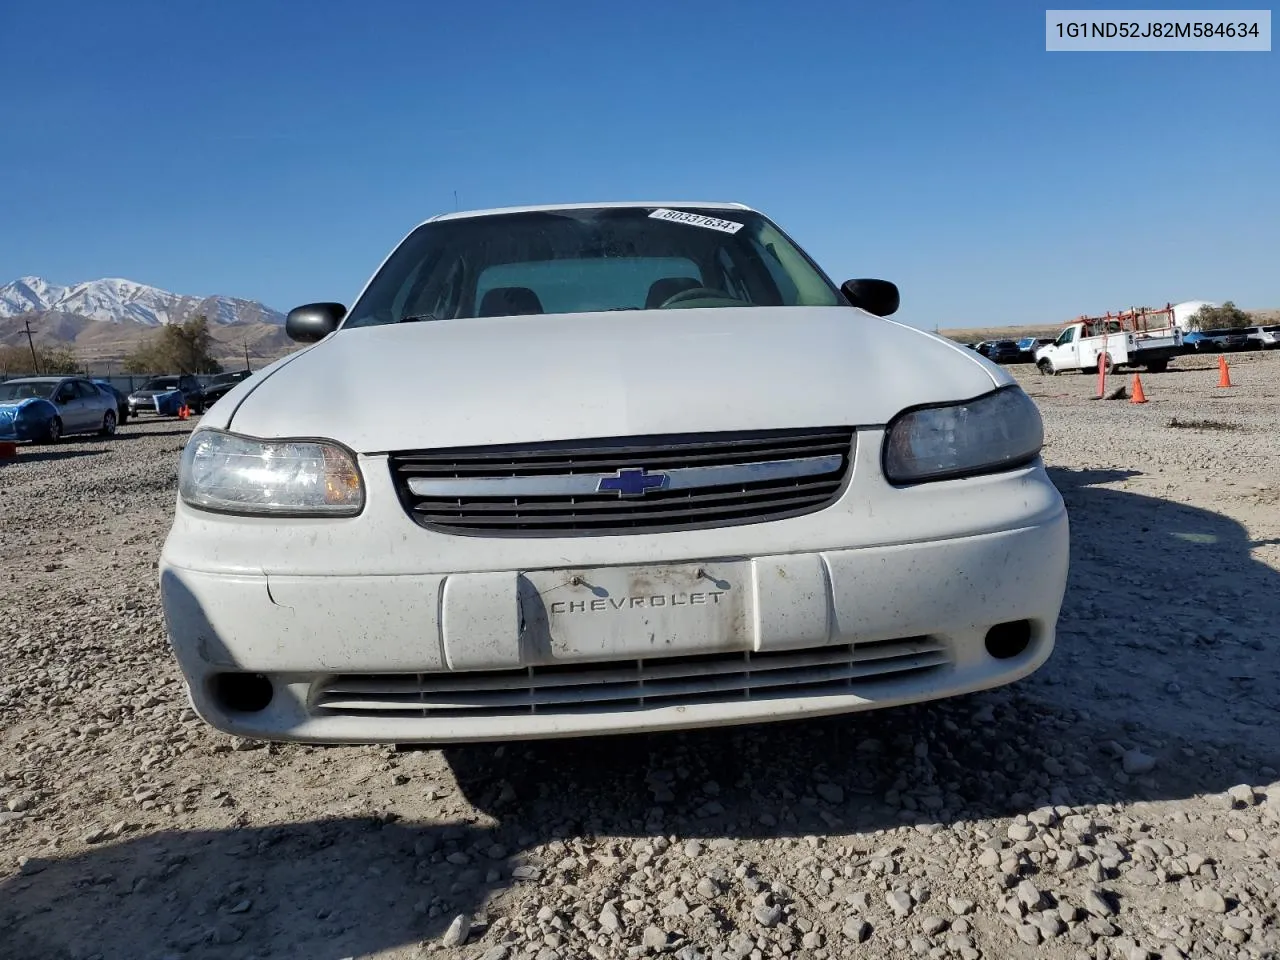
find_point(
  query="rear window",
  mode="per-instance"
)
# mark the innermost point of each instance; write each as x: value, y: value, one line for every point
x: 582, y: 285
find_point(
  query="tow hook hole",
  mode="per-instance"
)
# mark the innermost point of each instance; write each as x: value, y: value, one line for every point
x: 1007, y: 640
x: 242, y: 692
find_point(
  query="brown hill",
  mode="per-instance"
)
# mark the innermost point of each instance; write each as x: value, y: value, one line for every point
x: 97, y: 343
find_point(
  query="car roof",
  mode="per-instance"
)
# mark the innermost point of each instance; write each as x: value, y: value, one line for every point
x: 41, y: 379
x: 612, y: 204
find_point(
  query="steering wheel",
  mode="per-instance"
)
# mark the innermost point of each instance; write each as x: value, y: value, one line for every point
x: 695, y: 293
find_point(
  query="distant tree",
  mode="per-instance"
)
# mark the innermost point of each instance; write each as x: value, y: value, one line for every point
x: 15, y: 361
x: 1226, y: 317
x: 58, y: 360
x: 145, y: 359
x: 177, y: 348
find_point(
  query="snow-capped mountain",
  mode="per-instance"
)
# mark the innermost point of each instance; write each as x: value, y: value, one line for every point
x: 115, y: 300
x: 28, y: 294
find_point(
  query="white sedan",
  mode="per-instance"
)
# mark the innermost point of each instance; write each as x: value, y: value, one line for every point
x: 604, y: 468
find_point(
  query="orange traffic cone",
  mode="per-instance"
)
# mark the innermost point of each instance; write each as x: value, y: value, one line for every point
x: 1138, y: 395
x: 1224, y: 372
x: 184, y: 412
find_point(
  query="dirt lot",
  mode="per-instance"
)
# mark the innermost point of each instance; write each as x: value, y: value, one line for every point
x: 1122, y: 803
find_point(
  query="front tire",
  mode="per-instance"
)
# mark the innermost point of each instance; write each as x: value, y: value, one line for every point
x: 53, y: 433
x: 1046, y: 368
x: 108, y: 424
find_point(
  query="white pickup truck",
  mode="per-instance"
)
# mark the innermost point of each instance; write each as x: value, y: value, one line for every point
x: 1112, y: 343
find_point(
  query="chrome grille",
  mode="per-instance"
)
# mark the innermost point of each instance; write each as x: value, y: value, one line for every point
x: 682, y: 482
x: 630, y: 684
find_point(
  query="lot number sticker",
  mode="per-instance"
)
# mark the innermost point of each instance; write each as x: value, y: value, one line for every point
x: 711, y: 223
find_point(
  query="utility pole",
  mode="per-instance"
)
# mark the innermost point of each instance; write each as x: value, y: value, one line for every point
x: 35, y: 362
x: 246, y: 357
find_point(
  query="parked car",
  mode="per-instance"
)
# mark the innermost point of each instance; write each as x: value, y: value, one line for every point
x: 45, y: 409
x: 1263, y: 338
x: 143, y: 400
x: 1028, y: 346
x: 219, y: 385
x: 121, y: 399
x: 1004, y: 351
x: 1195, y: 341
x: 526, y: 488
x: 1223, y: 341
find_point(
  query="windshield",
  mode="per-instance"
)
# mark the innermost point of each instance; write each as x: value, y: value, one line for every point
x: 161, y: 383
x: 17, y: 390
x: 571, y: 261
x: 229, y: 377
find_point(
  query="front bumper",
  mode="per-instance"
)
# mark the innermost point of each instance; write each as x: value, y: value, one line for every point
x: 451, y: 657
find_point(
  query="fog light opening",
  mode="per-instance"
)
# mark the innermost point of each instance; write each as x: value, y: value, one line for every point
x: 242, y: 692
x: 1007, y: 640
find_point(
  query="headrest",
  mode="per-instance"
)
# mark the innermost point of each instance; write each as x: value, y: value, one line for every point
x: 510, y: 302
x: 666, y: 288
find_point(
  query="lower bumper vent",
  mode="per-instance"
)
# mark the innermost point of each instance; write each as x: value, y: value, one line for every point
x: 629, y: 684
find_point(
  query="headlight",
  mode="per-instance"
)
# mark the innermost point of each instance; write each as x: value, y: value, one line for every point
x: 998, y: 431
x: 233, y: 474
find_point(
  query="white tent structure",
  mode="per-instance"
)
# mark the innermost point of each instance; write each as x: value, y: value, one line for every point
x: 1182, y: 312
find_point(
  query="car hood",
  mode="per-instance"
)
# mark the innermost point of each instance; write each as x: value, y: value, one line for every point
x: 566, y: 376
x: 12, y: 407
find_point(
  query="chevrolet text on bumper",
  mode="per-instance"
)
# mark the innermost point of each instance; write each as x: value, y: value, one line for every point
x: 607, y: 468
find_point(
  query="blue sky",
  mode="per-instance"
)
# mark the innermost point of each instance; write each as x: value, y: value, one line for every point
x: 279, y: 150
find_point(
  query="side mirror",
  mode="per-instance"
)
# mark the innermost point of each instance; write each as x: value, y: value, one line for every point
x: 313, y: 321
x: 874, y: 296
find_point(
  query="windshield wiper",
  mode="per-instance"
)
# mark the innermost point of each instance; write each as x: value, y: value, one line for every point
x: 415, y: 317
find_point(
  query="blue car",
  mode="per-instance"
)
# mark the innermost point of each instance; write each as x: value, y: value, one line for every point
x: 47, y: 408
x: 1196, y: 342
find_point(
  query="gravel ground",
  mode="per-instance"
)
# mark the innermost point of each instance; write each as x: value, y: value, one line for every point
x: 1124, y: 802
